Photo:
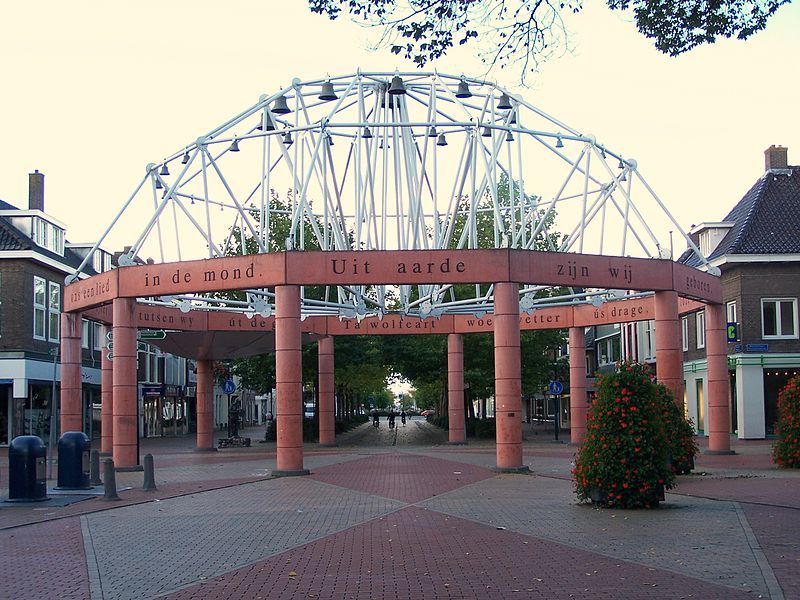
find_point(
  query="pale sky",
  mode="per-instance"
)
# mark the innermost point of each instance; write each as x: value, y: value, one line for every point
x: 92, y: 92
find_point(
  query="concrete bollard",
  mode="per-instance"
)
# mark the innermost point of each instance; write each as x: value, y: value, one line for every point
x: 94, y: 468
x: 149, y: 474
x: 109, y: 481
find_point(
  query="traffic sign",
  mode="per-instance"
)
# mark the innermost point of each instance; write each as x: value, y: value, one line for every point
x: 556, y: 387
x: 229, y: 386
x: 147, y: 334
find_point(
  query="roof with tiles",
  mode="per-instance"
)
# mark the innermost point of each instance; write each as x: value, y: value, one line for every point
x: 766, y: 220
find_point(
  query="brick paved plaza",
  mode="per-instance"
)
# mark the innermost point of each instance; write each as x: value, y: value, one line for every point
x: 403, y: 515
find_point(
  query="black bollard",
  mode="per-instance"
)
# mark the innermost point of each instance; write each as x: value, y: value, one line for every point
x: 94, y: 469
x: 109, y: 481
x: 149, y: 474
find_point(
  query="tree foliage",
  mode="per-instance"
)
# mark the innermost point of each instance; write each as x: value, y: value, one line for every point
x: 525, y: 32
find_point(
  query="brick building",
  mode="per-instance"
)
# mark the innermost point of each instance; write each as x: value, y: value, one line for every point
x: 757, y: 248
x: 35, y: 257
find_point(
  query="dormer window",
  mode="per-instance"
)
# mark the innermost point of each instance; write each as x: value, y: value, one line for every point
x: 101, y: 261
x: 47, y: 235
x: 709, y: 235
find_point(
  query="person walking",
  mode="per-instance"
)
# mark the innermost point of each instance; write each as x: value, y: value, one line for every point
x: 391, y: 418
x: 403, y: 417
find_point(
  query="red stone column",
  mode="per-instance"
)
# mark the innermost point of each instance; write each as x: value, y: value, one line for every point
x: 327, y: 430
x: 205, y: 406
x: 106, y: 398
x: 288, y: 377
x: 71, y: 413
x: 719, y: 441
x: 455, y: 389
x: 669, y: 352
x: 507, y: 377
x: 126, y: 427
x: 577, y: 384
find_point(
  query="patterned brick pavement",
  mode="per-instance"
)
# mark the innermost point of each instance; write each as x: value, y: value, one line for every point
x: 44, y: 561
x: 404, y: 519
x: 417, y: 553
x: 405, y: 477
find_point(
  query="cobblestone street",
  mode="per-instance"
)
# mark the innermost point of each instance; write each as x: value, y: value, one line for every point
x: 401, y: 514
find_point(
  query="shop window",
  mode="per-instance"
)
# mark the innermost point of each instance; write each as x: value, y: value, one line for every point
x: 39, y: 307
x: 779, y: 318
x: 700, y: 321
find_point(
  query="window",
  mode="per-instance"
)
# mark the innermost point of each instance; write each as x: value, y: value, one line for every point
x: 701, y: 329
x: 39, y: 307
x: 649, y: 339
x: 609, y: 350
x: 731, y: 311
x: 779, y: 317
x: 54, y: 311
x: 97, y: 335
x: 84, y: 333
x: 47, y: 235
x: 685, y: 333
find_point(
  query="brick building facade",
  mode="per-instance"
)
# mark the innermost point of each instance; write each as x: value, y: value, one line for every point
x: 757, y: 249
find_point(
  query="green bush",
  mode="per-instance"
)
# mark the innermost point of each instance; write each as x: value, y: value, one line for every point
x: 622, y: 461
x: 679, y: 430
x: 786, y: 451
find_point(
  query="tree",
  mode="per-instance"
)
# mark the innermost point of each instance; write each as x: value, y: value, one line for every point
x: 526, y: 32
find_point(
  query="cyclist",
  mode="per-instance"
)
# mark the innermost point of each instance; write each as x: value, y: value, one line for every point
x: 403, y: 417
x: 375, y: 417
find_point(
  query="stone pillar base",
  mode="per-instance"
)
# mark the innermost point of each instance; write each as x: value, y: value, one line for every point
x: 719, y: 452
x: 298, y: 473
x: 523, y: 470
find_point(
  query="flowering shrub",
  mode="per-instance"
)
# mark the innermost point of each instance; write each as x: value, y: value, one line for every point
x: 622, y: 461
x: 786, y: 451
x: 680, y: 432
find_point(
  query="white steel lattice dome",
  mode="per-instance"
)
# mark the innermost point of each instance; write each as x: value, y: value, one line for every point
x: 393, y: 161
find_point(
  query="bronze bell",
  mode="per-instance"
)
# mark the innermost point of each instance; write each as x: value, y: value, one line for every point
x: 509, y: 136
x: 559, y: 143
x: 397, y: 86
x: 486, y: 132
x: 327, y: 94
x: 185, y: 158
x: 164, y: 170
x: 513, y: 120
x: 432, y: 132
x: 279, y: 107
x: 158, y: 184
x: 366, y: 134
x: 463, y: 90
x: 504, y: 103
x: 287, y: 138
x: 442, y: 141
x: 234, y: 146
